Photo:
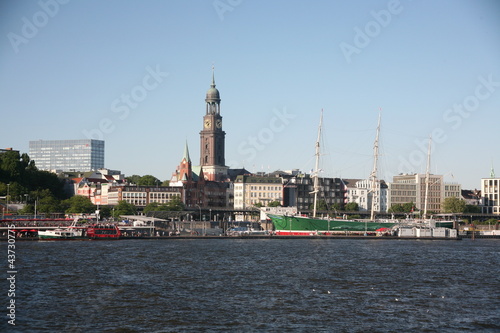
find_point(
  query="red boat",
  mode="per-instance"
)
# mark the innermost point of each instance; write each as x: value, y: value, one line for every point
x: 103, y: 231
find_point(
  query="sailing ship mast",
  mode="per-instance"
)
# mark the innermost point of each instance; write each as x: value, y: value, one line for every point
x: 427, y: 176
x: 373, y: 175
x: 316, y: 169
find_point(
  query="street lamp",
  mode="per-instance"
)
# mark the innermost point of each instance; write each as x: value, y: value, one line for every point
x: 8, y: 188
x: 200, y: 210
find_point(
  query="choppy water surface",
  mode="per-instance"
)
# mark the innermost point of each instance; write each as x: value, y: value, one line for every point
x: 269, y: 285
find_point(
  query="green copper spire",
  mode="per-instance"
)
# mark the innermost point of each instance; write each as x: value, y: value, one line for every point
x: 492, y: 172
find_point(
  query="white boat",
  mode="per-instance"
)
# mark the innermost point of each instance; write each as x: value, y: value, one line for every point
x: 61, y: 233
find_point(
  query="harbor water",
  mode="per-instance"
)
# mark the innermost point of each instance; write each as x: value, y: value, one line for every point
x: 257, y: 285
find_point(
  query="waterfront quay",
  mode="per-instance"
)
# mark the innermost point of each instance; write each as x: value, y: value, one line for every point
x: 160, y: 229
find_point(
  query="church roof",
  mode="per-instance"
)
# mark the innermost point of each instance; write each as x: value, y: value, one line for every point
x: 213, y: 93
x: 186, y: 153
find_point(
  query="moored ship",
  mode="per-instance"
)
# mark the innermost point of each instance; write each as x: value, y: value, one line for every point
x: 303, y: 226
x: 297, y: 225
x: 60, y: 233
x: 103, y: 231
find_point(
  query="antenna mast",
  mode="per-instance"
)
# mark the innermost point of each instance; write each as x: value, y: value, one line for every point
x: 316, y: 170
x: 373, y: 175
x: 427, y: 176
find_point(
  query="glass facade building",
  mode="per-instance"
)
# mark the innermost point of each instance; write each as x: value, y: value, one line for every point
x: 67, y: 155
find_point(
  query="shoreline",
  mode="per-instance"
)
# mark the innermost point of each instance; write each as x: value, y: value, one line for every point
x: 247, y: 237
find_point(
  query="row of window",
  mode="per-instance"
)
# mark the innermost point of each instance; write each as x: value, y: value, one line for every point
x: 133, y: 195
x: 156, y: 195
x: 136, y: 202
x: 265, y: 188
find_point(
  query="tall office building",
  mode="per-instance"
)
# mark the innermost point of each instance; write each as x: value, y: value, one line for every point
x: 67, y: 155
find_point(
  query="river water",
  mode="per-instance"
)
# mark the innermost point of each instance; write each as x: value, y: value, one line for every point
x: 264, y: 285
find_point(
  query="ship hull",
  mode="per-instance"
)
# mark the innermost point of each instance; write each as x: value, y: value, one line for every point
x: 297, y: 226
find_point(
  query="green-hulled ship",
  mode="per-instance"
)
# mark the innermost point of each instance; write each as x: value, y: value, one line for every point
x: 298, y: 225
x: 304, y: 226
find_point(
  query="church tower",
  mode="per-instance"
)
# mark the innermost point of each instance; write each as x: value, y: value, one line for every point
x: 212, y: 137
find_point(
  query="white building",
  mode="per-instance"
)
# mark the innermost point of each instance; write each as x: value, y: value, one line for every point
x: 490, y: 192
x: 360, y: 192
x: 250, y: 190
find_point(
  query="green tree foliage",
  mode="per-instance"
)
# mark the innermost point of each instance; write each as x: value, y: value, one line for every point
x: 408, y: 207
x: 78, y: 205
x: 146, y: 180
x: 320, y: 205
x: 472, y: 209
x: 274, y: 204
x: 152, y: 207
x: 352, y: 207
x: 149, y: 180
x: 24, y: 178
x: 402, y: 208
x: 396, y: 208
x: 175, y: 204
x: 48, y: 204
x: 105, y: 211
x: 134, y: 179
x: 491, y: 222
x: 336, y: 206
x: 453, y: 205
x: 124, y: 208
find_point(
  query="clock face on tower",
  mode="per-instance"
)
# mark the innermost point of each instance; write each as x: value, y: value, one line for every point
x: 207, y: 123
x: 218, y: 123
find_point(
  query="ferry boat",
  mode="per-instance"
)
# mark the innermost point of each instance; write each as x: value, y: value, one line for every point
x: 60, y: 233
x: 103, y: 231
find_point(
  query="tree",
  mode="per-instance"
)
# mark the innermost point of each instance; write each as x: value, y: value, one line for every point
x: 148, y: 180
x: 78, y: 205
x: 320, y: 205
x: 258, y: 205
x: 408, y: 207
x: 175, y: 204
x: 105, y: 211
x: 396, y: 208
x: 48, y: 205
x: 151, y: 207
x: 336, y: 206
x: 274, y: 204
x: 453, y: 205
x: 352, y: 207
x: 472, y: 209
x: 490, y: 222
x: 124, y: 208
x: 134, y: 179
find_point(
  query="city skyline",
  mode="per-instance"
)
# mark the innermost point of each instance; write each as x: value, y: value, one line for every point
x: 135, y: 75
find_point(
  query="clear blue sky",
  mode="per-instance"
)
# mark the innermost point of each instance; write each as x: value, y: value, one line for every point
x: 66, y: 71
